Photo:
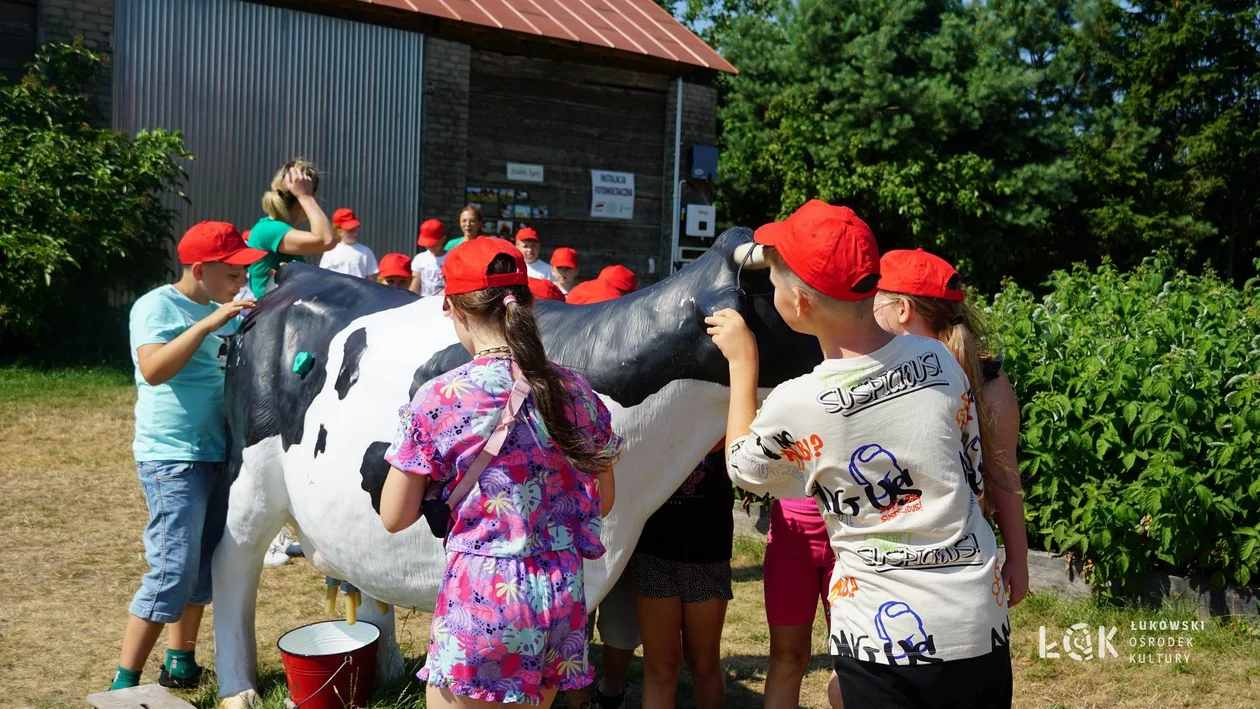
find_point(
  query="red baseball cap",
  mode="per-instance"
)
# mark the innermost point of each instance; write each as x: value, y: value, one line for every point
x: 594, y: 291
x: 545, y: 289
x: 526, y: 234
x: 208, y: 242
x: 432, y: 233
x: 828, y: 247
x: 465, y: 266
x: 345, y: 219
x: 564, y: 257
x: 916, y: 272
x: 394, y: 266
x: 619, y: 277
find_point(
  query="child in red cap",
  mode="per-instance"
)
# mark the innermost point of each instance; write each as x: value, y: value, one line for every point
x: 349, y: 256
x: 564, y: 268
x: 527, y: 242
x: 883, y: 435
x: 179, y: 347
x: 395, y: 271
x: 510, y: 621
x: 613, y: 282
x: 922, y: 294
x: 546, y: 290
x: 426, y: 267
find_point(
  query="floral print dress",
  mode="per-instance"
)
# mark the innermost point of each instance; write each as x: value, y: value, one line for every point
x: 510, y: 620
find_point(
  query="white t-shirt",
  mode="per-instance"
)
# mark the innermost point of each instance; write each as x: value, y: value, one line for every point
x: 889, y: 446
x: 352, y: 259
x: 539, y: 269
x: 429, y: 268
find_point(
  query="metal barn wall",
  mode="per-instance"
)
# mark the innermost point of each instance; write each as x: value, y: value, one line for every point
x: 252, y: 86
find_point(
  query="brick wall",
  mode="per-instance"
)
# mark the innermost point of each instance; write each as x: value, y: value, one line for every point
x: 699, y: 127
x: 445, y: 126
x: 61, y: 20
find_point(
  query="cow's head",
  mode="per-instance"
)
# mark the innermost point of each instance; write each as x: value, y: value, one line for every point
x: 741, y: 281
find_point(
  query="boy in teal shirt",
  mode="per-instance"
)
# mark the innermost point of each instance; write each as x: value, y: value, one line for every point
x: 179, y: 347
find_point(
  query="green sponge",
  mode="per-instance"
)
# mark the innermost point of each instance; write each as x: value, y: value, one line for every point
x: 303, y: 362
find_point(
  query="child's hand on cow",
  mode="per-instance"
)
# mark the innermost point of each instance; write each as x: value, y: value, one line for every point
x: 732, y: 336
x: 225, y: 313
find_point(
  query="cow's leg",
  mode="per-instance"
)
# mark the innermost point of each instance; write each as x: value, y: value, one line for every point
x: 389, y: 659
x: 257, y: 507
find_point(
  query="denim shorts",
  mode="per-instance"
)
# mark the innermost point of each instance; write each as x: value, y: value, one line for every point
x: 187, y: 509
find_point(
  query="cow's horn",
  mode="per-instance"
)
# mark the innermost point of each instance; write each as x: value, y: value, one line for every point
x: 752, y: 256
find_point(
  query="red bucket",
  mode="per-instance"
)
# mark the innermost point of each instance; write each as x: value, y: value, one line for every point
x: 331, y: 664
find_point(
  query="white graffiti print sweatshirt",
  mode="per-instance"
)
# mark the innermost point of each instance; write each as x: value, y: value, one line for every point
x: 889, y: 447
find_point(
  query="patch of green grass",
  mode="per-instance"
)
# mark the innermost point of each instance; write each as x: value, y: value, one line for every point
x: 25, y: 383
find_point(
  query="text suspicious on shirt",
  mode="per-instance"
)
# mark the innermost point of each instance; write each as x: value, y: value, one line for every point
x: 889, y: 448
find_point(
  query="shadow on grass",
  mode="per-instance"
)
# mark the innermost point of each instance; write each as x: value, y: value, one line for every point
x: 740, y: 574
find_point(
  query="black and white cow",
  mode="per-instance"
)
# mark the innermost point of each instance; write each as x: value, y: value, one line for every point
x: 308, y: 445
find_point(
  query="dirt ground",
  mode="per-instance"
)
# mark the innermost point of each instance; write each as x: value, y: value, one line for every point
x: 72, y: 513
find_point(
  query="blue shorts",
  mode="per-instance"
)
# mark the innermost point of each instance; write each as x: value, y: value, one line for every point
x: 187, y: 509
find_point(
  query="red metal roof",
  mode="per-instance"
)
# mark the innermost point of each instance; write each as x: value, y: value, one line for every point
x: 638, y: 26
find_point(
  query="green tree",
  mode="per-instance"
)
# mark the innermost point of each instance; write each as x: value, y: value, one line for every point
x: 1170, y: 147
x: 929, y: 117
x: 81, y: 212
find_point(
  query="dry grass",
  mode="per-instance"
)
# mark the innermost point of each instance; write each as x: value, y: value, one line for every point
x: 71, y: 517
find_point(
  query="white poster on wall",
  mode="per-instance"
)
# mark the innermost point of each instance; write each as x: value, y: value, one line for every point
x: 524, y: 172
x: 612, y: 194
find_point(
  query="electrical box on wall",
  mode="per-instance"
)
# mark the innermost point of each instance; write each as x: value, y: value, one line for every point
x: 704, y: 162
x: 701, y: 219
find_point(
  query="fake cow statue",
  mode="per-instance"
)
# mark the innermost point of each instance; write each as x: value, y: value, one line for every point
x: 319, y: 370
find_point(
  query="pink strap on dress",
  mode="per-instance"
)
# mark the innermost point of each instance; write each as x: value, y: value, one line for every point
x: 520, y: 391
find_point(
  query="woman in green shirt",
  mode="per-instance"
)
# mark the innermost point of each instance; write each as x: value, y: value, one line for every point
x: 470, y: 223
x: 289, y: 202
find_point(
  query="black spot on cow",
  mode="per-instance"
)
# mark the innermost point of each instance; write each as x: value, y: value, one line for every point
x: 374, y: 470
x: 439, y: 363
x: 351, y: 354
x: 308, y: 307
x: 321, y: 443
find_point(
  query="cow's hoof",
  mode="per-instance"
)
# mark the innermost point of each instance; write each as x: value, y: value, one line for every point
x: 244, y: 700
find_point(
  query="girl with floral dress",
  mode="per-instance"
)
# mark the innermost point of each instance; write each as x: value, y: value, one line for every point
x: 510, y: 622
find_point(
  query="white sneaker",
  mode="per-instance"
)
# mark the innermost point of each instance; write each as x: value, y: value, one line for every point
x: 277, y: 552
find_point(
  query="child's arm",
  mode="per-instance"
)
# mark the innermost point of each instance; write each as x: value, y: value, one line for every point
x: 732, y: 336
x: 401, y: 498
x: 415, y: 284
x: 160, y: 361
x: 748, y: 462
x: 1002, y: 411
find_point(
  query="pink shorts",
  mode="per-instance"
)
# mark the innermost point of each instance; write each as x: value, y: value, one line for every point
x: 798, y: 563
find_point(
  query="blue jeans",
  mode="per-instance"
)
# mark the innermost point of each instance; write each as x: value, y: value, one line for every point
x: 187, y: 509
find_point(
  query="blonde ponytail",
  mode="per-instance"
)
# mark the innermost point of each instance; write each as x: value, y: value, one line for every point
x: 962, y: 329
x: 277, y: 202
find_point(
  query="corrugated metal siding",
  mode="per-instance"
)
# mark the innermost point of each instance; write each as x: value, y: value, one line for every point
x: 253, y: 86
